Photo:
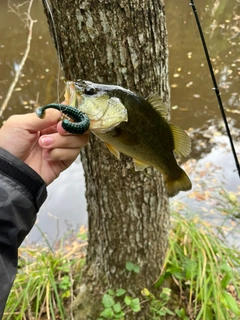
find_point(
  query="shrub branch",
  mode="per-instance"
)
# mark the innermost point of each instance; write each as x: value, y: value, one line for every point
x: 29, y: 24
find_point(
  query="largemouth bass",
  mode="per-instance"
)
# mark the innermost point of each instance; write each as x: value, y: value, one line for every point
x: 135, y: 126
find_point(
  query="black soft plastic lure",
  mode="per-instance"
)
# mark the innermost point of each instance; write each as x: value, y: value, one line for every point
x: 77, y: 123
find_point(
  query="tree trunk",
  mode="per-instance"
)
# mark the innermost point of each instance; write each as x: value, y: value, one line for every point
x: 120, y: 42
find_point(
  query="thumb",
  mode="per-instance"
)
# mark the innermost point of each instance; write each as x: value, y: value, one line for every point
x: 33, y: 123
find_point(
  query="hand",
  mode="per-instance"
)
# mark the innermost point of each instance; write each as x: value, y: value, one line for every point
x: 41, y: 143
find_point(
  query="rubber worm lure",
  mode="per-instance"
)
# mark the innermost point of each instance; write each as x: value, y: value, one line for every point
x: 74, y: 121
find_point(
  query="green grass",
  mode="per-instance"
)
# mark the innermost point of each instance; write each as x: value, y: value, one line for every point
x: 45, y: 284
x: 200, y: 279
x: 202, y: 270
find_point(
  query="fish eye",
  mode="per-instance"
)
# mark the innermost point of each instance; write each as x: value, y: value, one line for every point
x: 90, y: 91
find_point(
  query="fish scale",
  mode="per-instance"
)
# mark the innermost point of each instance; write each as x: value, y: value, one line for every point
x: 137, y: 127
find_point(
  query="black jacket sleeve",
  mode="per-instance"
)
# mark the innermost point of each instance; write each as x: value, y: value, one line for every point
x: 22, y: 192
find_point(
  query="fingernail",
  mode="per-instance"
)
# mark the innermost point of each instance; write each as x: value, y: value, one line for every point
x: 47, y: 141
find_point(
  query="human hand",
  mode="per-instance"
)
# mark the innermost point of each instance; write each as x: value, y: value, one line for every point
x: 41, y: 143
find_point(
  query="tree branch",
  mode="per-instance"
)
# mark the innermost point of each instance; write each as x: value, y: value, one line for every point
x: 29, y: 23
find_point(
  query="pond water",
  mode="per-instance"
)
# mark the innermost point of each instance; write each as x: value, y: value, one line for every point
x: 194, y: 105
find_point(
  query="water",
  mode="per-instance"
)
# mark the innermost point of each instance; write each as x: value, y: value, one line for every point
x: 191, y: 84
x: 194, y: 105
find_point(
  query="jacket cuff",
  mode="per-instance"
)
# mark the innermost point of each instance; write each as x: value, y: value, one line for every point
x: 24, y: 175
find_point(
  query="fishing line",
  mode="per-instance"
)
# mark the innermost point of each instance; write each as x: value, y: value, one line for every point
x: 57, y: 47
x: 215, y: 85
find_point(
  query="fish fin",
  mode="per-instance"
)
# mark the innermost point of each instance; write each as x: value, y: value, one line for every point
x: 183, y: 183
x: 157, y: 103
x: 182, y: 142
x: 139, y: 166
x: 114, y: 151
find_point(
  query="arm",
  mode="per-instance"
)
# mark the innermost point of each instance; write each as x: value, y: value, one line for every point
x: 33, y: 152
x: 22, y: 192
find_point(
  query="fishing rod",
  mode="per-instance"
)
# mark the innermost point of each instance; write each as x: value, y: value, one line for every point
x: 215, y: 85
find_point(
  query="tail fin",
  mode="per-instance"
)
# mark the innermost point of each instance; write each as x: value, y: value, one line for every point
x: 182, y: 183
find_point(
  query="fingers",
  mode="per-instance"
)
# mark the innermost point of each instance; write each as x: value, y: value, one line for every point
x: 63, y: 155
x: 32, y: 123
x: 58, y: 147
x: 55, y: 141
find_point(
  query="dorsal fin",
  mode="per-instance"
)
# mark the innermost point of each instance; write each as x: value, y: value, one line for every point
x: 182, y: 142
x: 157, y: 103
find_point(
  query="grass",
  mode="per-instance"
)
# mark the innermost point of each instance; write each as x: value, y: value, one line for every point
x: 200, y: 279
x: 45, y: 284
x: 202, y: 271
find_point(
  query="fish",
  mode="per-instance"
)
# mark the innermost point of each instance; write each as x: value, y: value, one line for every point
x: 137, y: 127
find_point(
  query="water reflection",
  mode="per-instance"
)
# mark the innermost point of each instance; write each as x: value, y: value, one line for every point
x: 64, y: 211
x: 189, y: 75
x: 38, y: 81
x: 194, y: 105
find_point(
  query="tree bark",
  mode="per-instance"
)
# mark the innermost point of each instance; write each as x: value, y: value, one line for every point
x: 120, y: 42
